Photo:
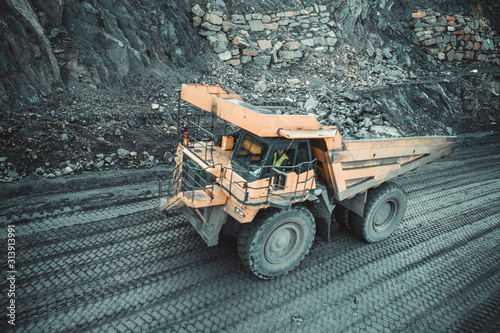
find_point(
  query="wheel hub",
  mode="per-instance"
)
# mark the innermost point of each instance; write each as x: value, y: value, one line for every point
x: 384, y: 215
x: 282, y: 243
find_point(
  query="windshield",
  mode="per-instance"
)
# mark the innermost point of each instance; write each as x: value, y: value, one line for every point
x: 251, y: 152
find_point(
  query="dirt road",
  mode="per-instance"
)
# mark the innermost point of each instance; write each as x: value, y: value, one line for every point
x: 93, y: 254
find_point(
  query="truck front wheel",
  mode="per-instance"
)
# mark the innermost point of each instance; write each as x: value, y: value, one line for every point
x: 276, y: 242
x: 384, y: 209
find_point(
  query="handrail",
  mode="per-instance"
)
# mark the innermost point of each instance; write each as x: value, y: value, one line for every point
x: 199, y: 127
x: 182, y: 180
x: 208, y: 147
x: 244, y: 188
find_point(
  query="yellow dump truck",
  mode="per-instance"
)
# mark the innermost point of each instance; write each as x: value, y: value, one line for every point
x: 279, y: 180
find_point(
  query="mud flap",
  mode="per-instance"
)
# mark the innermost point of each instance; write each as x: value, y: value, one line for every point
x: 207, y: 221
x: 356, y: 204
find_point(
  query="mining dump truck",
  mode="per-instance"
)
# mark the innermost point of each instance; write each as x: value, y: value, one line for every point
x: 279, y: 180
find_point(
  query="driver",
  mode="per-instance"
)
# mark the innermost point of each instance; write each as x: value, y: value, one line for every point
x: 280, y: 158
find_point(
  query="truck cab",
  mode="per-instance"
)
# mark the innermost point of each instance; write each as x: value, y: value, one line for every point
x: 257, y: 155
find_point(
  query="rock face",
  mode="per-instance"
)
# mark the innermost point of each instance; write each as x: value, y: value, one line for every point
x: 36, y: 64
x: 45, y: 45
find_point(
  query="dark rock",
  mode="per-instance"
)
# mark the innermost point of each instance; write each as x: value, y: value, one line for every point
x: 404, y: 58
x: 350, y: 96
x: 370, y: 50
x: 363, y: 134
x: 26, y: 132
x: 219, y: 47
x: 168, y: 156
x: 88, y: 8
x: 377, y: 69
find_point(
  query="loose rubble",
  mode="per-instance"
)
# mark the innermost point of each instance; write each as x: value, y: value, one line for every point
x: 119, y: 110
x: 457, y: 37
x: 267, y: 39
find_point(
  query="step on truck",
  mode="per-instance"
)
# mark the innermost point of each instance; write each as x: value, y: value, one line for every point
x: 276, y: 181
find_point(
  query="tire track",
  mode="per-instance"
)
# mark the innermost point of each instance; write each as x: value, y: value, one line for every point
x: 116, y: 264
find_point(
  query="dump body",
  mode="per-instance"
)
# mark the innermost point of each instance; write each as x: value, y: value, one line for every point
x: 209, y: 179
x: 360, y: 165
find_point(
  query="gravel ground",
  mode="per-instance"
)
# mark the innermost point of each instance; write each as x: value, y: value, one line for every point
x: 93, y: 254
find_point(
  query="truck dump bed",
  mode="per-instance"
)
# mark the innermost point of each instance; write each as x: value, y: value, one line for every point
x: 349, y: 167
x: 364, y: 164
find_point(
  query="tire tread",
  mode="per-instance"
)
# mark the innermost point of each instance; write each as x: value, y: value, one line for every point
x: 249, y: 234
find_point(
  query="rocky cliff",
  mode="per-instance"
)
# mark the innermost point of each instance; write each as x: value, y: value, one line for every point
x: 48, y: 45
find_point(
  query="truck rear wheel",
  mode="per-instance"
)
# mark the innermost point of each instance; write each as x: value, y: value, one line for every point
x: 277, y: 242
x: 384, y: 209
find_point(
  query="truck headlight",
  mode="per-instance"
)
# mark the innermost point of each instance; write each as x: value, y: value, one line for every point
x: 238, y: 211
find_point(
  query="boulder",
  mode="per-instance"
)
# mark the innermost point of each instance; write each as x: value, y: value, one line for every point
x: 226, y: 55
x: 122, y: 152
x: 196, y: 10
x: 228, y: 26
x: 260, y: 86
x: 219, y: 47
x: 209, y: 26
x: 291, y: 46
x: 308, y: 42
x: 310, y: 104
x: 384, y: 131
x: 262, y: 60
x: 212, y: 19
x: 256, y: 25
x: 264, y: 44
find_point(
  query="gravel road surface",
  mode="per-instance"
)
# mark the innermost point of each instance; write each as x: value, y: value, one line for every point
x: 94, y: 254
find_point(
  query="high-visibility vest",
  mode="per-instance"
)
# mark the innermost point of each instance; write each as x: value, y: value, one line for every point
x: 280, y: 160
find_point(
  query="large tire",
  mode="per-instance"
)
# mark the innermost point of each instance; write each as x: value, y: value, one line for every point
x: 276, y: 242
x: 342, y: 217
x: 384, y: 210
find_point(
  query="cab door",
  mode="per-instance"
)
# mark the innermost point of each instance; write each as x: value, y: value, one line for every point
x: 298, y: 173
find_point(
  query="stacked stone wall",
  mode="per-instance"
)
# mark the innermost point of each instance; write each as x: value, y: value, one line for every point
x: 268, y: 39
x: 457, y: 37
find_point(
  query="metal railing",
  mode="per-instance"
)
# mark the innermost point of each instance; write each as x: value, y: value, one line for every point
x: 188, y: 177
x: 207, y: 148
x: 240, y: 190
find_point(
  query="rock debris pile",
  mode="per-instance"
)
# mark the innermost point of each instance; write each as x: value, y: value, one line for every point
x: 457, y: 37
x: 268, y: 39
